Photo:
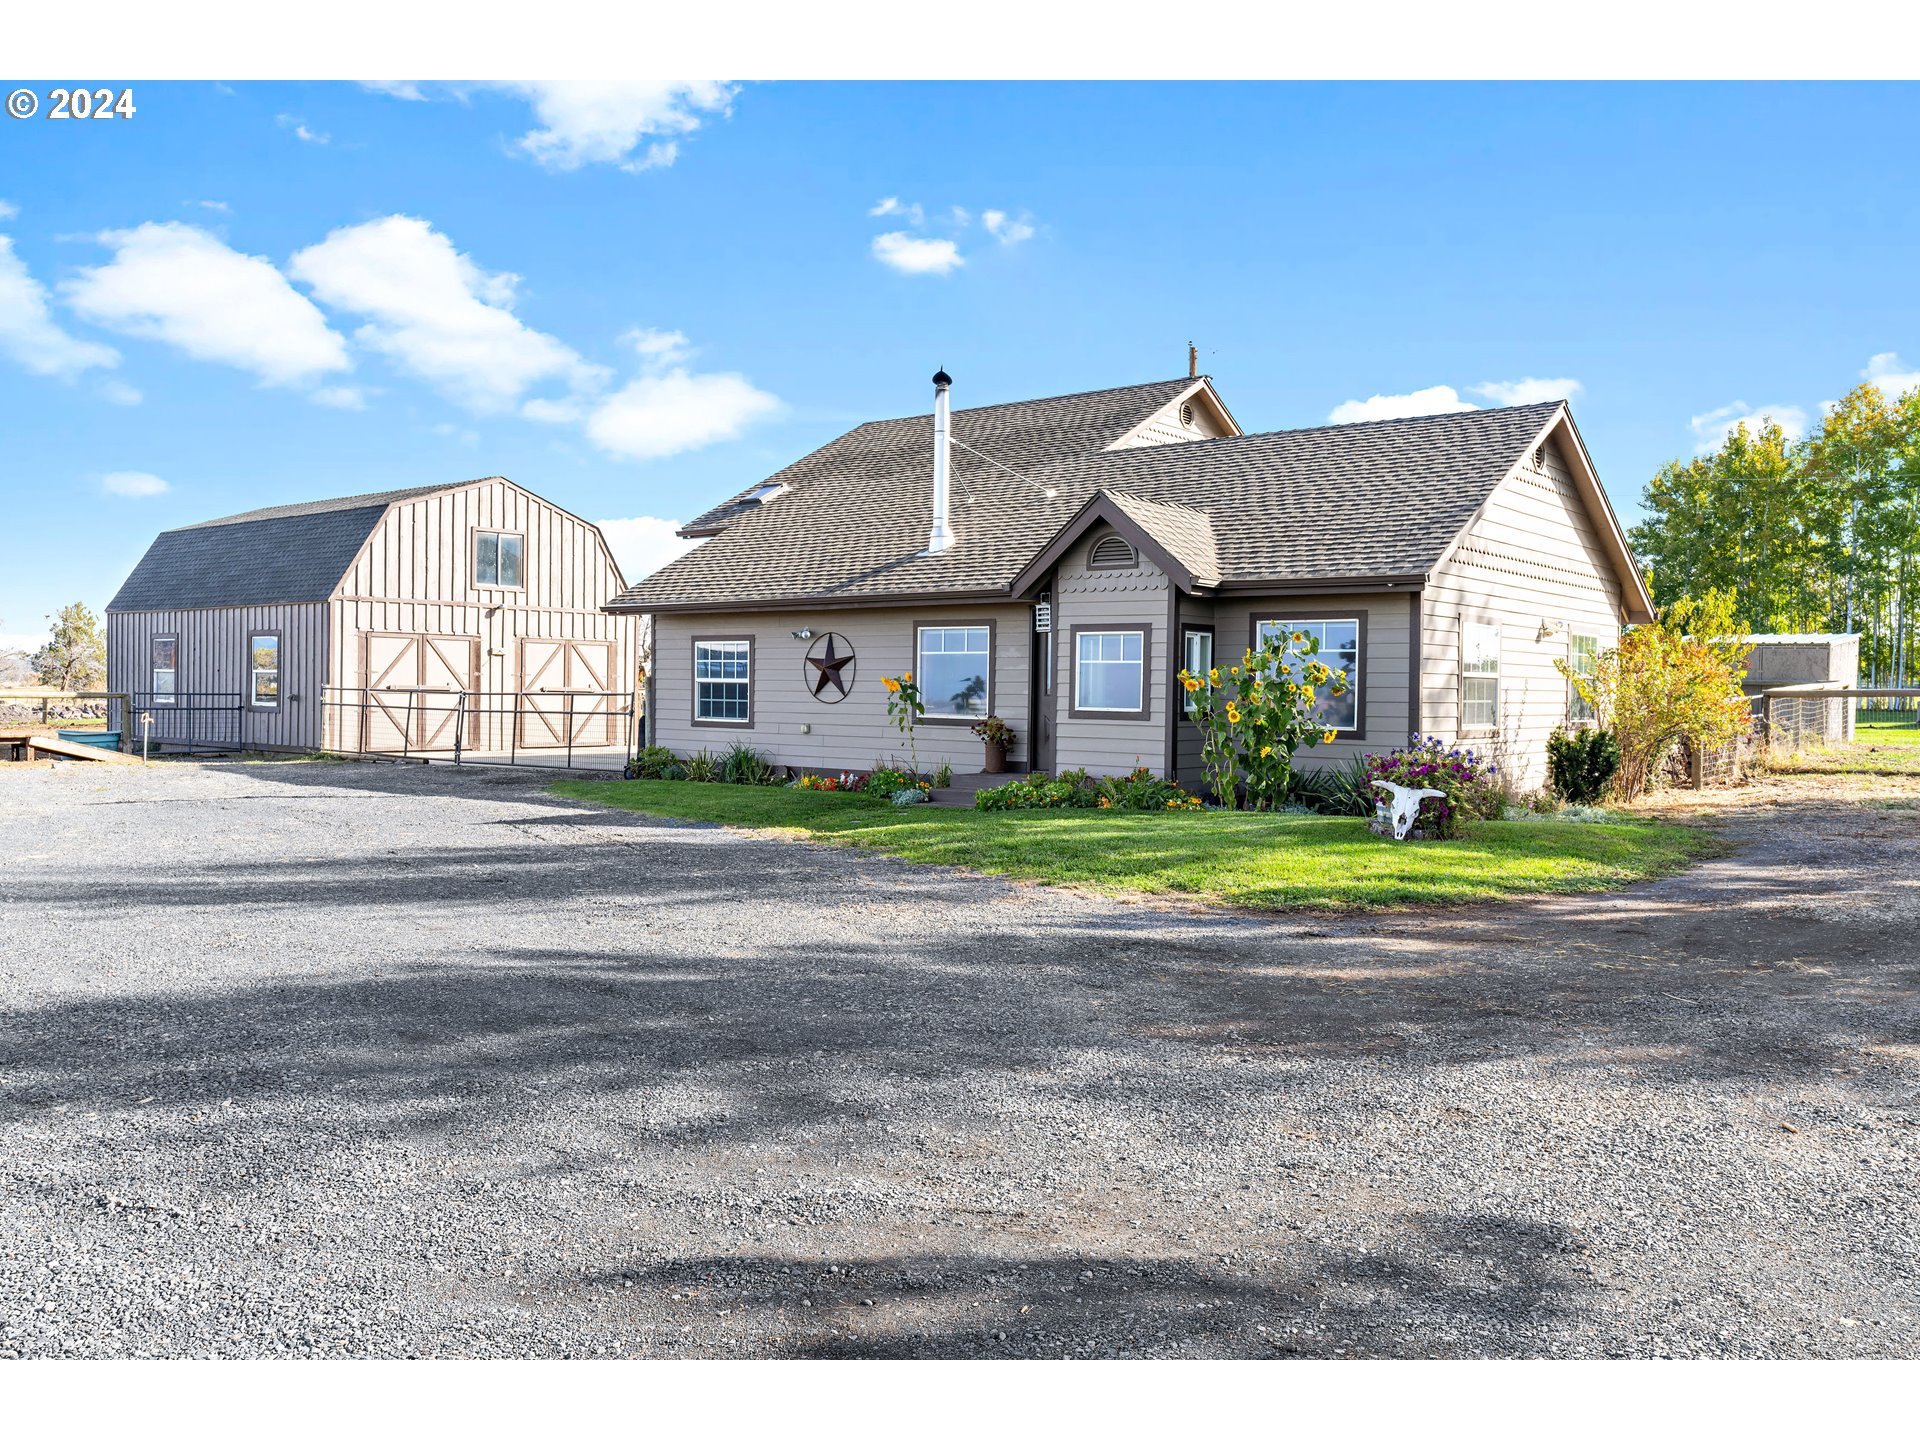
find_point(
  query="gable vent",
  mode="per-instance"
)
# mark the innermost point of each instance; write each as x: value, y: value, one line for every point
x: 1110, y: 552
x: 1186, y: 415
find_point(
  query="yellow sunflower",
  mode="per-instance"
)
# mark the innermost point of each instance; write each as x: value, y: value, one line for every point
x: 1326, y: 737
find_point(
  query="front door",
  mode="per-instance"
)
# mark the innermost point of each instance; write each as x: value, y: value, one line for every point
x: 1040, y: 719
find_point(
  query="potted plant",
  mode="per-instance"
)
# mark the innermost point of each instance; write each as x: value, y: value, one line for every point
x: 999, y: 737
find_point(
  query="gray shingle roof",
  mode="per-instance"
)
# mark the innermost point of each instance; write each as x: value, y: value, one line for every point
x: 1381, y: 498
x: 279, y: 555
x: 1186, y: 533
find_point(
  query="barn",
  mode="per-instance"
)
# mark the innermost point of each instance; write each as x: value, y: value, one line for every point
x: 462, y: 618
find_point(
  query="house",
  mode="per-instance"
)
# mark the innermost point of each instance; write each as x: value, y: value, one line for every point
x: 409, y: 620
x: 1057, y: 562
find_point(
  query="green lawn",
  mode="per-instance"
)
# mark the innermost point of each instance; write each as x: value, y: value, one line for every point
x: 1263, y: 861
x: 1871, y: 755
x: 1887, y: 732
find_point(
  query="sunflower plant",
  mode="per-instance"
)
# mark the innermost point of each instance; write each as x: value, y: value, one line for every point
x: 1255, y: 716
x: 904, y: 708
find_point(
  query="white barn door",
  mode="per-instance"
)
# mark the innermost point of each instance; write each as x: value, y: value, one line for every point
x: 565, y: 693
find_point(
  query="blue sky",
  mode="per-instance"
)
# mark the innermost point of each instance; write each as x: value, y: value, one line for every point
x: 637, y: 300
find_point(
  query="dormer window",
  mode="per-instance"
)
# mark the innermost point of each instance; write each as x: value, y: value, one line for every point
x: 497, y: 559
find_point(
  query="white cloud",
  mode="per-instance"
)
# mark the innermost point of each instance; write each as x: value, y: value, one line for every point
x: 435, y: 313
x: 301, y: 131
x: 1006, y: 230
x: 118, y: 392
x: 644, y: 544
x: 629, y: 123
x: 220, y: 205
x: 892, y: 206
x: 1528, y: 391
x: 663, y: 414
x: 1711, y: 429
x: 1434, y: 400
x: 457, y: 433
x: 658, y: 347
x: 1894, y: 379
x: 181, y: 285
x: 915, y: 254
x: 8, y: 210
x: 134, y: 484
x: 27, y: 331
x: 341, y: 397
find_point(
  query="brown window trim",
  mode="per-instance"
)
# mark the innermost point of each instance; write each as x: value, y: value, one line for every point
x: 969, y: 622
x: 1358, y: 614
x: 1074, y: 710
x: 153, y: 695
x: 280, y: 669
x: 1478, y: 732
x: 1188, y: 627
x: 1131, y: 562
x: 480, y: 584
x: 693, y: 700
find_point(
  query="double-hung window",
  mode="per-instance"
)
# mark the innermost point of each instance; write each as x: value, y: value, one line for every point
x: 1110, y: 673
x: 497, y: 556
x: 1479, y: 676
x: 263, y: 670
x: 1583, y: 658
x: 723, y: 681
x: 1339, y: 651
x: 953, y: 668
x: 1196, y: 658
x: 164, y: 669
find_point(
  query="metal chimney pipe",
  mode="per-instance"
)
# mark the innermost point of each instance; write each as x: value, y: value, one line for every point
x: 941, y: 535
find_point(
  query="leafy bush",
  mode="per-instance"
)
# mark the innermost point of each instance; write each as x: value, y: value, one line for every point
x: 702, y: 766
x: 994, y: 731
x: 1470, y: 789
x: 912, y: 795
x: 651, y: 763
x: 744, y: 765
x: 1351, y: 786
x: 886, y: 782
x: 1581, y: 764
x: 675, y: 771
x: 1077, y: 790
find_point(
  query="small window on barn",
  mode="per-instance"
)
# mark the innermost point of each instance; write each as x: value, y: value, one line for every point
x: 1110, y: 552
x: 497, y: 558
x: 165, y: 669
x: 263, y: 671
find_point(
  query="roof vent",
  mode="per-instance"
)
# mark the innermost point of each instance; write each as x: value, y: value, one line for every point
x: 1186, y: 416
x: 1111, y: 552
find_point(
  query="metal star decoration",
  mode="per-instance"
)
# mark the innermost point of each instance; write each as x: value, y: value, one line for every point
x: 828, y: 668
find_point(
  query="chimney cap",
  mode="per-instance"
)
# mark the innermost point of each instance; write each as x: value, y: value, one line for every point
x: 941, y: 377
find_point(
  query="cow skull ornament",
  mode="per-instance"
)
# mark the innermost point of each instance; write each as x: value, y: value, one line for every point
x: 1406, y: 804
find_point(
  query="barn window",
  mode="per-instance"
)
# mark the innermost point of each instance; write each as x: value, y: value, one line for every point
x: 263, y: 670
x: 953, y: 664
x: 1480, y: 677
x: 1110, y: 673
x: 497, y: 558
x: 723, y: 681
x: 1340, y: 643
x: 164, y: 663
x: 1110, y: 552
x: 1583, y: 657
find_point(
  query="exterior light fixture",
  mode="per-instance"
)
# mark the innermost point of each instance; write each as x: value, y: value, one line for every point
x: 805, y: 632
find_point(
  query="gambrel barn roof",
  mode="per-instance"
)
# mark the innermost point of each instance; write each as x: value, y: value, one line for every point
x: 1370, y: 503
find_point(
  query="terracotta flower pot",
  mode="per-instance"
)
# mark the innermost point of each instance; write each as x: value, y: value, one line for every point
x: 996, y: 761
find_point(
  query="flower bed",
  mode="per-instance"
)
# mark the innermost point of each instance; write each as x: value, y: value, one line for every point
x: 1077, y: 790
x: 1470, y: 789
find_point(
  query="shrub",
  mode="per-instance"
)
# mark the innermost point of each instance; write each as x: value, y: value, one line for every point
x: 1254, y: 716
x: 651, y: 763
x: 744, y: 765
x: 702, y: 766
x: 886, y: 782
x: 1470, y: 788
x: 1581, y: 764
x: 1351, y: 786
x: 1077, y: 790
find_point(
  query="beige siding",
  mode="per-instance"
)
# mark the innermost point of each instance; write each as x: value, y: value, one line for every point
x: 794, y: 728
x: 415, y: 576
x: 1532, y: 556
x: 1093, y: 598
x: 1166, y: 427
x: 214, y: 672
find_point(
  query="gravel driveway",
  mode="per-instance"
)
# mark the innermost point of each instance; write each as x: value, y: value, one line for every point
x: 332, y: 1059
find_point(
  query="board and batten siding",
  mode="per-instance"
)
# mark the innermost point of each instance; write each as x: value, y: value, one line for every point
x: 1086, y: 598
x: 793, y: 728
x: 214, y: 669
x: 1531, y: 556
x: 415, y: 576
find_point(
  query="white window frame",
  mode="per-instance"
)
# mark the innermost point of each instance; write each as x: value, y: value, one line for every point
x: 723, y: 649
x: 499, y: 537
x: 1579, y: 712
x: 1288, y: 624
x: 172, y: 672
x: 1195, y: 666
x: 943, y: 717
x: 1480, y: 682
x: 255, y: 671
x: 1081, y: 634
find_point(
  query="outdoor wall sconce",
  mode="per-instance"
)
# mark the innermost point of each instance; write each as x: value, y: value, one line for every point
x: 805, y: 632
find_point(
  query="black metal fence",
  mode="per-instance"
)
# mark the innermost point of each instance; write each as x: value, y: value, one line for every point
x: 182, y: 722
x: 558, y: 729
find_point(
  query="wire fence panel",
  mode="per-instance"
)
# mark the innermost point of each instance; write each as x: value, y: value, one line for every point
x: 558, y: 729
x: 1797, y: 717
